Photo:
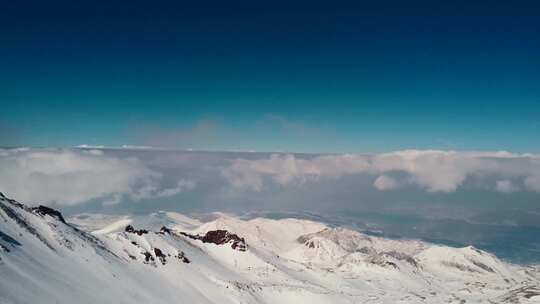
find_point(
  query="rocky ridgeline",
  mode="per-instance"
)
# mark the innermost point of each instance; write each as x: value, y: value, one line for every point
x: 220, y: 237
x: 44, y: 210
x: 40, y: 210
x: 150, y: 257
x: 332, y: 265
x: 217, y: 237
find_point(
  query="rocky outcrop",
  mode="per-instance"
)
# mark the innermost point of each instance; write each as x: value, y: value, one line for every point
x: 482, y: 266
x: 4, y: 248
x: 381, y: 260
x: 182, y: 257
x: 44, y: 210
x: 459, y: 266
x: 22, y: 216
x: 519, y: 294
x: 130, y: 229
x: 9, y: 207
x: 401, y: 257
x: 159, y: 254
x: 165, y: 230
x: 220, y: 237
x: 148, y: 258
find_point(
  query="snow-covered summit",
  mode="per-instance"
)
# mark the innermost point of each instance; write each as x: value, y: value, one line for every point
x: 168, y: 257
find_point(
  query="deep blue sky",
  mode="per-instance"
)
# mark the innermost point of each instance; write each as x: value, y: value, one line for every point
x: 309, y: 76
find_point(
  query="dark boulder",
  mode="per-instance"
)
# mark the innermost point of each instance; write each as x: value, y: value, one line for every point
x: 165, y: 230
x: 148, y: 257
x: 44, y: 210
x: 181, y: 256
x: 2, y: 247
x: 191, y: 236
x: 130, y: 229
x: 159, y: 254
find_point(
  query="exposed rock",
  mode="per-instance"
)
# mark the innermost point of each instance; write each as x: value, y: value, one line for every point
x: 148, y: 258
x: 130, y: 229
x: 220, y: 237
x: 379, y: 259
x: 459, y: 266
x: 10, y: 240
x: 482, y: 266
x: 165, y: 230
x: 181, y: 256
x: 310, y: 244
x: 402, y: 257
x: 18, y: 212
x: 44, y: 210
x: 9, y: 210
x: 159, y: 254
x: 367, y: 250
x: 516, y: 295
x: 4, y: 248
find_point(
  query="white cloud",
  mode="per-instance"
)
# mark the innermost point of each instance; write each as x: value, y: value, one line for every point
x: 71, y: 177
x: 385, y: 182
x: 74, y: 176
x: 505, y: 186
x: 432, y: 170
x: 181, y: 186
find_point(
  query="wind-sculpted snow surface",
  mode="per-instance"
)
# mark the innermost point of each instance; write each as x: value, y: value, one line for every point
x: 170, y: 258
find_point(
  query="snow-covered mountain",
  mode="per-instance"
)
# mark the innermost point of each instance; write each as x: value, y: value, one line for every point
x: 167, y: 257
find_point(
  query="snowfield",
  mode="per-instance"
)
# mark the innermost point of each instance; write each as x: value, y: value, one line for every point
x: 168, y: 257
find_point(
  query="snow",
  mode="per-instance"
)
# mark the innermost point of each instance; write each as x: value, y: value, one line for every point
x: 118, y: 225
x: 94, y: 260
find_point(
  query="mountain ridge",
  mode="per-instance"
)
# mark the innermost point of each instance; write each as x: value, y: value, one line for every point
x: 168, y: 257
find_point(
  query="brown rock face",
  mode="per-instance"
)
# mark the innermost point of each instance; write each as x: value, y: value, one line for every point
x: 220, y: 237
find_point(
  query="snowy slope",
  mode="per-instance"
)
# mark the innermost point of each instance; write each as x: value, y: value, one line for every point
x: 170, y: 258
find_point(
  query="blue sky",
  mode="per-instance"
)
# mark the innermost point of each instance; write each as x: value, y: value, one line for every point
x: 301, y: 76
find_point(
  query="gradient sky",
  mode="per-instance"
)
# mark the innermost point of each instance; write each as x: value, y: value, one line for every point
x: 307, y: 76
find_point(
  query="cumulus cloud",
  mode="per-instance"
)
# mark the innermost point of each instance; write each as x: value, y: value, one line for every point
x: 432, y: 170
x: 71, y: 177
x: 181, y: 186
x: 385, y: 182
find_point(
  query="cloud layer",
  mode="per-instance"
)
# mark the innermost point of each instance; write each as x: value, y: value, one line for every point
x: 70, y: 177
x: 431, y: 170
x: 75, y: 176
